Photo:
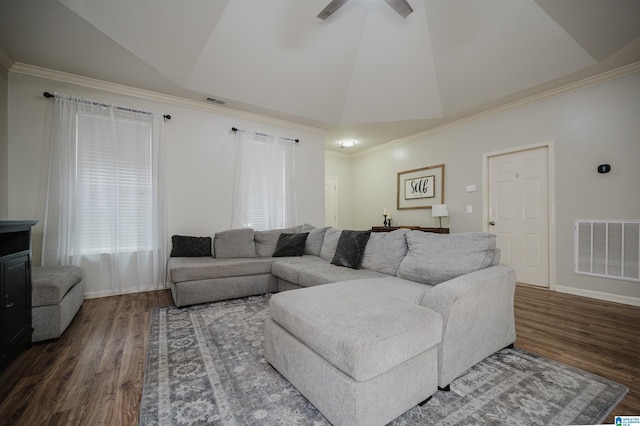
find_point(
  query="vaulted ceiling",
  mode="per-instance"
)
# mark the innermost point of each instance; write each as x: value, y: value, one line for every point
x: 364, y: 73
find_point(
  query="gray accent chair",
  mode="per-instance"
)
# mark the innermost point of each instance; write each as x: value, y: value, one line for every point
x: 57, y: 294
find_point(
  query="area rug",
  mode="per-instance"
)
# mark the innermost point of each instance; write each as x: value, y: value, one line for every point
x: 205, y: 365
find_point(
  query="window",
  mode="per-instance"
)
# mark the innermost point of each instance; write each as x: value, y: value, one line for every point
x: 264, y: 185
x: 105, y: 205
x: 114, y: 184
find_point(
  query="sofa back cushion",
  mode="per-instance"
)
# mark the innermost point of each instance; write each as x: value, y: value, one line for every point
x: 385, y: 251
x: 266, y: 241
x: 314, y: 240
x: 330, y: 244
x: 235, y: 243
x: 435, y: 258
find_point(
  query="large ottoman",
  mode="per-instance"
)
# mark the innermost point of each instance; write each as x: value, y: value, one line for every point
x: 360, y: 355
x: 57, y: 293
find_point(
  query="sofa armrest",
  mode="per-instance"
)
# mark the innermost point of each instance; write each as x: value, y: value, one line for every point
x: 478, y: 316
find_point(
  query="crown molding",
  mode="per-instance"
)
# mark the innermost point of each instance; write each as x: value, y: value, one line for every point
x: 63, y: 77
x: 5, y: 59
x: 580, y: 84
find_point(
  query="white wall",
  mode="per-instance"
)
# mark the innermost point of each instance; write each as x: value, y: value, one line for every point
x: 200, y: 158
x: 593, y: 125
x: 4, y: 136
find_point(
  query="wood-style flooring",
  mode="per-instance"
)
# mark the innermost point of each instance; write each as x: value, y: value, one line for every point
x: 93, y: 374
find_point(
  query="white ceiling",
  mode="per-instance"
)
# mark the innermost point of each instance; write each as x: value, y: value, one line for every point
x: 363, y: 73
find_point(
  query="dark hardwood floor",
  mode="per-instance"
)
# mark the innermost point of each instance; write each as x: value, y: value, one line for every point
x: 93, y: 374
x: 593, y: 335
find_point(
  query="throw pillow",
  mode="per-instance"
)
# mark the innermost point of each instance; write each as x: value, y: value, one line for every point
x: 266, y: 240
x: 385, y: 251
x: 350, y: 250
x: 184, y: 246
x: 329, y: 244
x: 314, y: 241
x: 290, y: 245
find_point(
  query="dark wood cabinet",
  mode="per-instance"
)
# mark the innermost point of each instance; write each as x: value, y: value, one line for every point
x: 413, y: 228
x: 15, y: 288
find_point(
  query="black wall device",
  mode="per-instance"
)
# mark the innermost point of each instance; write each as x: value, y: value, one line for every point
x: 604, y: 168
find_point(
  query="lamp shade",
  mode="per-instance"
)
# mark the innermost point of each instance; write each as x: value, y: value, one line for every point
x: 439, y: 210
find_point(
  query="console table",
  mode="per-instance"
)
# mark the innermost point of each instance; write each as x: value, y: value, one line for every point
x: 413, y: 228
x: 15, y: 288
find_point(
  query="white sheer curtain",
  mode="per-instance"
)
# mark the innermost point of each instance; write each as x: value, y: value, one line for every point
x: 264, y: 185
x: 105, y: 206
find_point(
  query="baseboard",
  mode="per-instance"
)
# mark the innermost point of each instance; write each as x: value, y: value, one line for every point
x: 626, y: 300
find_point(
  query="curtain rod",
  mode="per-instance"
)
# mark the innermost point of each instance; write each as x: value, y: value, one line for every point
x: 235, y: 129
x: 166, y: 116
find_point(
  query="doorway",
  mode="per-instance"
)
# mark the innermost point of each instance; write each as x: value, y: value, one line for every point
x: 331, y: 202
x: 517, y: 210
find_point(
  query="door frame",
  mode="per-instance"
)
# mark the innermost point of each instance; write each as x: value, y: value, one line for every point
x: 550, y: 193
x: 335, y: 180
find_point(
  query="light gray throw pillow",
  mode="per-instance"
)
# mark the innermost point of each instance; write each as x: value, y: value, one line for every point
x: 330, y: 244
x: 435, y: 258
x: 385, y: 251
x: 234, y: 243
x: 314, y: 240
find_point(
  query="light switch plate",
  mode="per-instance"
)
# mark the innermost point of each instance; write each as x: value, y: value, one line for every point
x: 469, y: 209
x: 471, y: 188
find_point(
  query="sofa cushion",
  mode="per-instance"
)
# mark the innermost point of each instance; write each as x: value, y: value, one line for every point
x: 290, y: 245
x: 184, y: 246
x: 358, y: 326
x: 234, y: 243
x: 49, y: 284
x: 314, y: 241
x: 289, y: 269
x: 385, y: 251
x: 306, y: 228
x: 330, y: 243
x: 324, y: 273
x: 203, y: 268
x: 350, y: 249
x: 435, y: 258
x: 266, y: 241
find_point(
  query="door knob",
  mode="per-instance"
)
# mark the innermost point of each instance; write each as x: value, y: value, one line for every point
x: 492, y: 223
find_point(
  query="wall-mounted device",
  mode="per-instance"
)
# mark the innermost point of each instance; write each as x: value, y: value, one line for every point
x: 604, y: 168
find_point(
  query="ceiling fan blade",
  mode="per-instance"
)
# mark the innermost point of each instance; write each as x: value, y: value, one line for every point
x: 330, y: 8
x: 401, y: 6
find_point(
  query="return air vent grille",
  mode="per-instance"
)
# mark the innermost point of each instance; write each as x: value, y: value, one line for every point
x: 608, y: 249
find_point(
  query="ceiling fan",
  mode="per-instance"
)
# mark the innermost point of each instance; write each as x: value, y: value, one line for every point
x: 401, y: 6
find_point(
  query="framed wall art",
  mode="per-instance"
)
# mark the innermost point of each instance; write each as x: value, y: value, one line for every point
x: 421, y: 188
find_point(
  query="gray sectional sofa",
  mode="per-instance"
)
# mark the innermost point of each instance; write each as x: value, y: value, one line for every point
x: 364, y: 345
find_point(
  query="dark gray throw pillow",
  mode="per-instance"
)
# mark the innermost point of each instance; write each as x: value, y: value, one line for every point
x: 290, y: 245
x: 350, y: 250
x: 183, y: 246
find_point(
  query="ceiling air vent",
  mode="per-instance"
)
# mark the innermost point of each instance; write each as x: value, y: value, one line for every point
x: 216, y: 101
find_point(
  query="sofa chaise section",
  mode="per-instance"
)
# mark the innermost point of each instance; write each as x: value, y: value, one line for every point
x: 363, y: 352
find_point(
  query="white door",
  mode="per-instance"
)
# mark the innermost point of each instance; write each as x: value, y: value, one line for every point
x: 331, y: 201
x: 519, y: 212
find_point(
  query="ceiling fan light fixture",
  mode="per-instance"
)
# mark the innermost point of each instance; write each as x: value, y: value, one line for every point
x: 347, y: 143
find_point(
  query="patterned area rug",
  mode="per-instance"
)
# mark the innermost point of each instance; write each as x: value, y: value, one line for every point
x: 205, y: 365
